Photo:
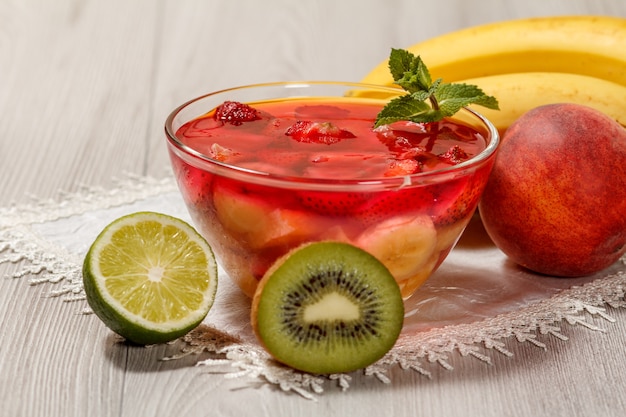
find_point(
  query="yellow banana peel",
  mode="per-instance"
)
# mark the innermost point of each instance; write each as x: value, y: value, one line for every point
x: 517, y: 93
x: 586, y: 45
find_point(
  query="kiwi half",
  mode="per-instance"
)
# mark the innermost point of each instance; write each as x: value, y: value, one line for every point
x: 327, y: 307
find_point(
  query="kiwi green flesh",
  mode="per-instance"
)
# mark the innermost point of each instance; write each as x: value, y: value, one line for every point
x: 330, y: 307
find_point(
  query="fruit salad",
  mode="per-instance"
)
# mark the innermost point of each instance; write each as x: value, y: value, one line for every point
x: 285, y: 172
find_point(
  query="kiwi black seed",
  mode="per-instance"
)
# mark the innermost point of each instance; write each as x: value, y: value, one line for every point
x: 327, y: 307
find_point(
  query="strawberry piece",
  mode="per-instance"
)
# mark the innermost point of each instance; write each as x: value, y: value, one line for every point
x: 458, y: 201
x: 195, y: 183
x: 404, y: 141
x: 317, y: 132
x: 454, y: 155
x: 393, y: 203
x: 399, y: 168
x: 236, y: 113
x: 403, y: 138
x: 333, y: 203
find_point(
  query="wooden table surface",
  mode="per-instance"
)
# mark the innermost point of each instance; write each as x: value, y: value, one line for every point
x: 85, y: 87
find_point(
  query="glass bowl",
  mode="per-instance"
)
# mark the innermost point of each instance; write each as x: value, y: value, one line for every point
x: 254, y: 211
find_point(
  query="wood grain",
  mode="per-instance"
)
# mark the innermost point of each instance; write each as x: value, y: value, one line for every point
x: 85, y: 87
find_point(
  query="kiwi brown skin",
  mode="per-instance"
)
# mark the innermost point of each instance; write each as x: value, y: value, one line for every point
x: 333, y: 351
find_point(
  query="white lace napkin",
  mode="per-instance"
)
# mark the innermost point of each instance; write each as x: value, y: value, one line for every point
x: 476, y: 299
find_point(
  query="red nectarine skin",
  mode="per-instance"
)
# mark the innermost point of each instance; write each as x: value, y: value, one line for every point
x: 556, y: 199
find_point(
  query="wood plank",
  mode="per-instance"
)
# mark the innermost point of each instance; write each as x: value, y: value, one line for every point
x: 77, y: 84
x: 85, y: 87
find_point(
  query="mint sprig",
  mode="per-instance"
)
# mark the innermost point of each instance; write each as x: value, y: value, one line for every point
x: 427, y: 100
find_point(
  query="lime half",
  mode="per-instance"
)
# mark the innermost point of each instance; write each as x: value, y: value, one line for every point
x: 150, y: 277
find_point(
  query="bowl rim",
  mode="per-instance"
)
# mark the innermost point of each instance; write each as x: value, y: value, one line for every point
x: 202, y: 161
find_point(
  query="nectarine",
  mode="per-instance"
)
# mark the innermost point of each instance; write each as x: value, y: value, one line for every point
x: 556, y: 199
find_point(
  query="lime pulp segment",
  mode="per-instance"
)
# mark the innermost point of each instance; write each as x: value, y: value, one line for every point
x: 148, y: 273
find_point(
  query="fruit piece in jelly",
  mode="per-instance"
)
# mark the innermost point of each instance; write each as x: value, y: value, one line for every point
x: 221, y: 153
x: 457, y: 200
x: 197, y: 183
x: 326, y: 133
x: 258, y: 223
x: 404, y: 244
x: 448, y: 235
x: 454, y: 155
x: 331, y: 203
x: 235, y: 113
x: 400, y: 202
x: 408, y: 285
x: 402, y: 167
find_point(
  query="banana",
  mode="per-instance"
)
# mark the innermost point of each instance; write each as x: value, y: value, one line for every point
x: 587, y: 45
x: 257, y: 223
x: 519, y: 92
x: 405, y: 245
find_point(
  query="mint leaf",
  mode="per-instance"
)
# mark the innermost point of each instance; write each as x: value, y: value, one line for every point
x: 452, y: 97
x: 409, y: 108
x: 444, y: 99
x: 400, y: 61
x: 408, y: 71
